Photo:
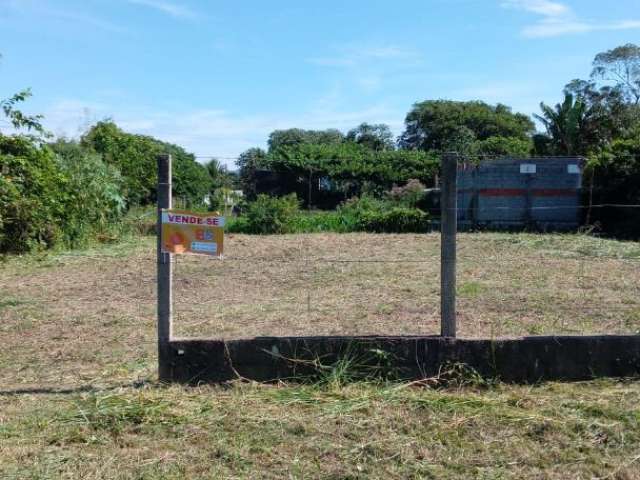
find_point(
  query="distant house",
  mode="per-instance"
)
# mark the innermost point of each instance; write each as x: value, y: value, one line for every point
x: 538, y: 193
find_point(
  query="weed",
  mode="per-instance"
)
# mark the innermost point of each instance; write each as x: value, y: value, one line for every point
x: 115, y: 413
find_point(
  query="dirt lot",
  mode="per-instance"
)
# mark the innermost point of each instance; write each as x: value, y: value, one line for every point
x: 88, y: 311
x: 78, y: 396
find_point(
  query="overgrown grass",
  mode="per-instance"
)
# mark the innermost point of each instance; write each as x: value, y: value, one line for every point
x: 355, y: 430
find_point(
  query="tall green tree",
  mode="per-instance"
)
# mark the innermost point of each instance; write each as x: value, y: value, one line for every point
x: 135, y: 157
x: 248, y: 163
x: 279, y: 139
x: 437, y: 124
x: 373, y: 136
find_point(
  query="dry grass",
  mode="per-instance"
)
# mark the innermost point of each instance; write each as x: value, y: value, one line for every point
x: 77, y: 367
x: 92, y: 313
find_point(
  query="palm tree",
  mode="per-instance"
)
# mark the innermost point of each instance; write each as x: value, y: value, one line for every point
x: 565, y: 124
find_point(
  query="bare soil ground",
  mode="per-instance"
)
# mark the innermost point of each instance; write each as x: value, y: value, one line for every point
x: 78, y: 397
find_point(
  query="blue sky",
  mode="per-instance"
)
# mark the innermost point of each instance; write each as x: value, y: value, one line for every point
x: 217, y: 76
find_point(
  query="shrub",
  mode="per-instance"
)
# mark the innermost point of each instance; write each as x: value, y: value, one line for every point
x: 267, y: 215
x: 372, y: 215
x: 394, y: 220
x: 318, y: 221
x: 408, y: 195
x: 140, y: 221
x: 32, y: 196
x: 48, y: 199
x: 93, y: 198
x: 135, y: 157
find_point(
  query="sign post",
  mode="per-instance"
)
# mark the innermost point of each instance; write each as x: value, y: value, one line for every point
x: 165, y: 267
x: 448, y: 229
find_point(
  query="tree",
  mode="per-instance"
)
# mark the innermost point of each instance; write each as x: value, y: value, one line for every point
x: 135, y: 157
x: 373, y: 136
x: 214, y: 168
x: 621, y: 66
x: 504, y: 146
x: 615, y: 178
x: 248, y: 163
x: 565, y: 125
x: 332, y: 173
x: 461, y: 140
x: 608, y: 115
x: 296, y: 136
x: 440, y: 124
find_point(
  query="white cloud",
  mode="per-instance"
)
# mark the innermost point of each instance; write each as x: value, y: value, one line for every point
x: 559, y: 19
x: 546, y: 8
x: 367, y: 66
x: 76, y: 19
x: 353, y: 56
x: 172, y: 9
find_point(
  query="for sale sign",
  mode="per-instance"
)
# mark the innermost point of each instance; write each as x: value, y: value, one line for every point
x: 188, y: 232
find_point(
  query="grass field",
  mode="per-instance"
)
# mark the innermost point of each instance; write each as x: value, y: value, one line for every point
x: 78, y: 397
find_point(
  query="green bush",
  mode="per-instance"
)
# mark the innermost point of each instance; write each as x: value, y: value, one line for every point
x: 394, y: 220
x: 368, y: 214
x: 409, y: 195
x: 135, y: 157
x: 93, y: 198
x: 364, y: 214
x: 49, y: 199
x: 268, y: 215
x: 32, y: 196
x: 318, y: 221
x: 140, y: 221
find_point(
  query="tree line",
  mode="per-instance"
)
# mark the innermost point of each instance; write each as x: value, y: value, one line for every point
x: 66, y: 192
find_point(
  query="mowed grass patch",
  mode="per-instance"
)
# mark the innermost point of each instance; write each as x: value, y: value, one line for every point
x: 360, y: 430
x: 88, y: 317
x: 78, y: 397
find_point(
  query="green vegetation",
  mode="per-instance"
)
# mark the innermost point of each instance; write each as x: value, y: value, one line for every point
x: 67, y: 193
x: 598, y: 119
x: 267, y: 215
x: 135, y: 157
x: 464, y: 127
x: 361, y: 430
x: 397, y: 212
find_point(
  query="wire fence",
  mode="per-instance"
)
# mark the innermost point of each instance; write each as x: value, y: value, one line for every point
x: 89, y: 318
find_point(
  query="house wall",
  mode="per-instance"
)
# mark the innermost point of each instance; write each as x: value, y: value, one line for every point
x: 540, y: 193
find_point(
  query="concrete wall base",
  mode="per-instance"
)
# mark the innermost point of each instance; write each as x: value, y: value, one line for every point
x: 527, y: 359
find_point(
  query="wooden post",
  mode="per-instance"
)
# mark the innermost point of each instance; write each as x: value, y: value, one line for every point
x: 165, y: 271
x: 448, y: 231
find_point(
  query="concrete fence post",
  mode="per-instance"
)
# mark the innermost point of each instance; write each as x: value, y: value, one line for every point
x: 165, y: 270
x: 448, y: 232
